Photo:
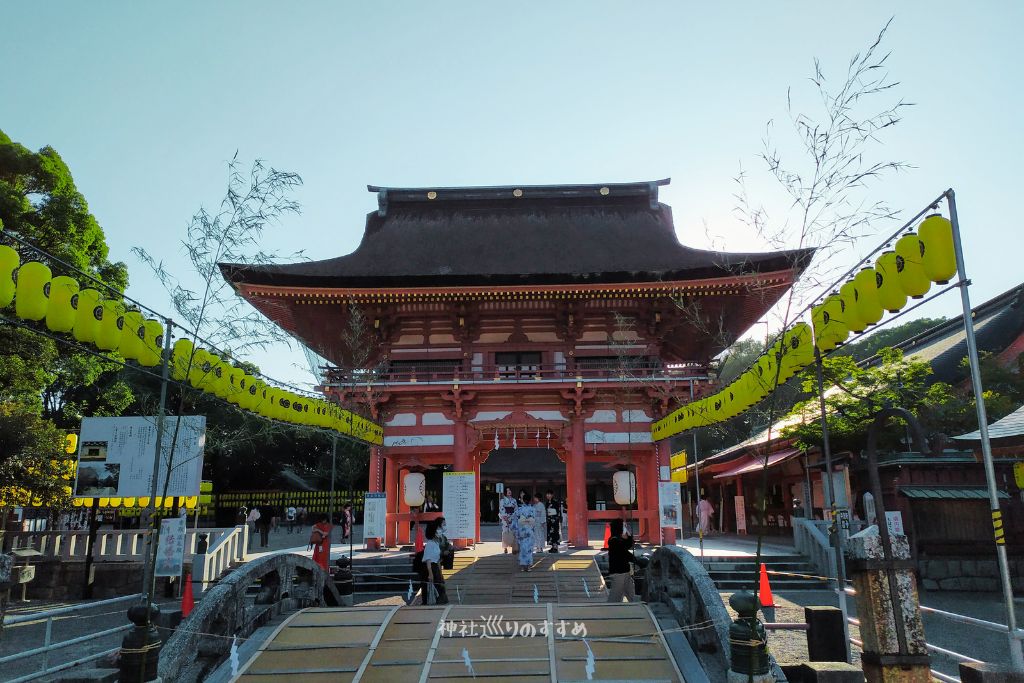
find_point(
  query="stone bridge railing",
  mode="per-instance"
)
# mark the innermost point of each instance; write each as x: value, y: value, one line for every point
x: 286, y: 583
x: 677, y: 579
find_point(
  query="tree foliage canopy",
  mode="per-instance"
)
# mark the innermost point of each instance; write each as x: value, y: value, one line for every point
x: 45, y: 386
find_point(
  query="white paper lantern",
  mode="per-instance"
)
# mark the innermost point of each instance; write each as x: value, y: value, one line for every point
x: 415, y: 489
x: 624, y: 487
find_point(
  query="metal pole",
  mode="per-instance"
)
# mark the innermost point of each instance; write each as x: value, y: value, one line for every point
x: 696, y: 475
x: 334, y: 460
x: 826, y: 449
x: 148, y: 585
x: 1016, y: 654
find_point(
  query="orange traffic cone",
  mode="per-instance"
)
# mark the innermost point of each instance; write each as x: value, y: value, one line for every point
x: 607, y: 535
x: 419, y: 538
x: 187, y: 601
x: 764, y: 593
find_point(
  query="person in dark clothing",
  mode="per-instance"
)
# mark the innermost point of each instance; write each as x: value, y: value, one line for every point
x: 620, y: 557
x: 553, y: 508
x: 263, y: 524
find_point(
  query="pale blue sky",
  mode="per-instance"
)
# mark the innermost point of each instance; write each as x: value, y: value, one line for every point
x: 146, y: 102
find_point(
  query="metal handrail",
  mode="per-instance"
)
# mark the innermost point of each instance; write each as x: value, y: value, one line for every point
x: 49, y: 646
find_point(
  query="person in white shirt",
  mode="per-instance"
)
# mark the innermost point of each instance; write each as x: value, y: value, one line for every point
x: 290, y: 515
x: 433, y: 589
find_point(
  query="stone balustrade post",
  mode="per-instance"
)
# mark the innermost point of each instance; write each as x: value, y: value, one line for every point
x: 891, y: 629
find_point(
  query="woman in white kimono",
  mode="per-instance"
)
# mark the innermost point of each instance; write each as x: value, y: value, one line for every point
x: 523, y: 523
x: 540, y: 528
x: 506, y: 510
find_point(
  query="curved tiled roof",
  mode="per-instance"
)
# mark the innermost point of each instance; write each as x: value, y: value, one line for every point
x: 586, y: 234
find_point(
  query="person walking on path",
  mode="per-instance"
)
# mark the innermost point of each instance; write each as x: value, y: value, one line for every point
x: 540, y: 527
x: 553, y: 509
x: 705, y: 511
x: 433, y: 590
x: 290, y: 513
x: 506, y: 509
x: 263, y: 522
x: 320, y: 542
x: 346, y: 521
x: 620, y: 559
x: 524, y: 523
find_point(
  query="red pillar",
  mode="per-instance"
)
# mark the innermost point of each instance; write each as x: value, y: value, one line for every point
x: 391, y: 502
x: 376, y: 472
x: 461, y: 463
x: 404, y: 537
x: 576, y: 480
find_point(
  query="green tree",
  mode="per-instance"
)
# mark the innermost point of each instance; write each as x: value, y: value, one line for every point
x: 40, y: 203
x: 45, y: 386
x: 854, y: 394
x: 887, y: 336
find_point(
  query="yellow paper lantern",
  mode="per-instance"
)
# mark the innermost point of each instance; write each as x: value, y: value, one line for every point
x: 130, y: 347
x: 60, y: 314
x: 152, y: 343
x: 88, y: 312
x: 799, y: 349
x: 221, y: 382
x: 869, y: 308
x: 9, y: 262
x: 848, y: 293
x: 71, y: 444
x: 181, y: 353
x: 835, y: 318
x: 910, y: 266
x: 190, y: 502
x: 108, y: 334
x: 30, y: 292
x: 201, y: 365
x: 939, y: 258
x: 822, y: 335
x: 890, y: 293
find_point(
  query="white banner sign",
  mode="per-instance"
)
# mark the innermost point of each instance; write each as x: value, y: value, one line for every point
x: 374, y: 511
x: 170, y: 553
x: 115, y: 456
x: 740, y: 506
x: 459, y: 492
x: 894, y: 520
x: 670, y: 503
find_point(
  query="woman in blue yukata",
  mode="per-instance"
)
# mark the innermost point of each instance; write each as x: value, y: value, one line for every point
x: 523, y: 523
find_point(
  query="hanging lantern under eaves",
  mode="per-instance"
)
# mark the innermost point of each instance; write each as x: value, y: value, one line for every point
x: 624, y: 487
x: 414, y: 489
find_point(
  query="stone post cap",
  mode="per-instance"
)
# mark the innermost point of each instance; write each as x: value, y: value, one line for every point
x: 867, y: 545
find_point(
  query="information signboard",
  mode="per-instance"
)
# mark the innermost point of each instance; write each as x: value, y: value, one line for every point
x: 670, y: 504
x: 459, y: 493
x: 115, y: 457
x: 374, y: 511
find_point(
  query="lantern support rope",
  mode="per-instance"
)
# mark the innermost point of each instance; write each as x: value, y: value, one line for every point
x: 71, y: 269
x: 183, y: 385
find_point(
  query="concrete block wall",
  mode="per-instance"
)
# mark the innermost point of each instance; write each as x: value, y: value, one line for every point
x: 960, y: 574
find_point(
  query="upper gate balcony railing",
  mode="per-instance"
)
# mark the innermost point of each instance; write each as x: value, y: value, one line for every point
x: 448, y: 373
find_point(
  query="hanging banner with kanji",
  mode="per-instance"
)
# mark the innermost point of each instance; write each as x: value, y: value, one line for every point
x: 459, y: 498
x: 170, y: 552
